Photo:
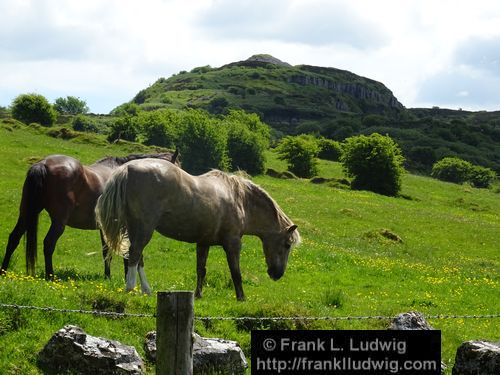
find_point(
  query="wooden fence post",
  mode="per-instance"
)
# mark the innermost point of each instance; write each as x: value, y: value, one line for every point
x: 174, y: 333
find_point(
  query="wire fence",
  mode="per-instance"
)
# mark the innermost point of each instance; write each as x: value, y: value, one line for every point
x: 242, y: 318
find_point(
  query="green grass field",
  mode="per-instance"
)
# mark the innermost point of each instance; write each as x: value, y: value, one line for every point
x: 447, y: 261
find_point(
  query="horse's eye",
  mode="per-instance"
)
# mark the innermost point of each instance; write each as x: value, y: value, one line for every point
x: 288, y: 245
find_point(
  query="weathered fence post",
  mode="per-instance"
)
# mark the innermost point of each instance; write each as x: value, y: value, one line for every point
x: 174, y: 333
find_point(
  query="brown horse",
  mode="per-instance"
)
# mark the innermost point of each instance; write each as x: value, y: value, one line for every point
x: 68, y: 191
x: 211, y: 209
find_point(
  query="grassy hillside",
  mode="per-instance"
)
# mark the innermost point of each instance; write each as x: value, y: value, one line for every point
x: 446, y: 263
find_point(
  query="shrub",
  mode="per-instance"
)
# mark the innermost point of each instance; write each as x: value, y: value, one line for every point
x: 157, y: 128
x: 83, y: 123
x: 329, y: 149
x: 123, y: 128
x: 375, y: 163
x: 300, y: 152
x: 202, y: 143
x: 481, y: 177
x: 30, y: 108
x: 218, y: 105
x: 131, y: 109
x: 247, y: 140
x: 451, y: 169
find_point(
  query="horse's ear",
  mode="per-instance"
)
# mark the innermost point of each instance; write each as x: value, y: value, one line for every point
x: 174, y: 156
x: 291, y: 228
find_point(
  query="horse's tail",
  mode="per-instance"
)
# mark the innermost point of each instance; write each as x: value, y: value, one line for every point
x: 31, y: 205
x: 110, y: 212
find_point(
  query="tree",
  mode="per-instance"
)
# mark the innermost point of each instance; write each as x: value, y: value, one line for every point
x: 451, y: 169
x: 375, y: 163
x: 71, y: 105
x: 30, y: 108
x: 300, y: 152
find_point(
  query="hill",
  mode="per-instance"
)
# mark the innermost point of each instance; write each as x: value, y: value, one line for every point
x: 283, y: 95
x: 330, y: 102
x: 446, y: 261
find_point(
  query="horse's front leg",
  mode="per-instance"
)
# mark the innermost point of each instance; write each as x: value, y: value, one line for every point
x: 106, y: 256
x: 145, y: 288
x: 201, y: 269
x: 131, y: 277
x: 232, y: 248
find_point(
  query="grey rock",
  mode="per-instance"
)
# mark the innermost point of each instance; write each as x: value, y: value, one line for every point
x: 209, y: 355
x: 71, y: 349
x: 412, y: 320
x: 477, y: 357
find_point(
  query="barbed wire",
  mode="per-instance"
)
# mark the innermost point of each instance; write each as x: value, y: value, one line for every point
x: 78, y: 311
x: 244, y: 318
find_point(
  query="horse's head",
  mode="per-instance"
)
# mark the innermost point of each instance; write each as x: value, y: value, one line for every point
x: 277, y: 247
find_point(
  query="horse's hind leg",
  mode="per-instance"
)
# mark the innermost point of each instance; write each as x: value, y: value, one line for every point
x: 139, y: 236
x: 49, y: 244
x: 201, y: 268
x: 14, y: 238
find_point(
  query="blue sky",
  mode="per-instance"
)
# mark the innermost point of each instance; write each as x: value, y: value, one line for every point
x: 429, y: 53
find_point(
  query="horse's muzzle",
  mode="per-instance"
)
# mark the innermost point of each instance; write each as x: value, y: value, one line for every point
x: 274, y: 273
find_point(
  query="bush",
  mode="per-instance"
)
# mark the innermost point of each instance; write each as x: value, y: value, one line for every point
x: 157, y: 128
x: 30, y: 108
x: 481, y: 177
x: 202, y: 142
x: 451, y: 169
x: 375, y: 163
x: 131, y: 109
x: 456, y: 170
x: 83, y: 123
x: 247, y: 140
x: 329, y: 149
x: 300, y: 153
x: 123, y: 128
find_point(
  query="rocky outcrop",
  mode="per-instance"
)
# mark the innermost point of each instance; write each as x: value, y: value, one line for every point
x: 73, y: 350
x: 268, y: 59
x: 356, y: 90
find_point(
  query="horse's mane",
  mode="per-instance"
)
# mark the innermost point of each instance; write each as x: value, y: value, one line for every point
x: 244, y: 188
x: 120, y: 160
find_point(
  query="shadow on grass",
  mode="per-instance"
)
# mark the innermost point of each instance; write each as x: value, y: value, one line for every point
x: 67, y: 274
